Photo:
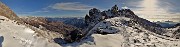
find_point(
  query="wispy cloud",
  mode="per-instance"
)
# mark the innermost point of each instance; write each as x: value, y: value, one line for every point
x: 32, y: 12
x: 70, y: 6
x: 39, y: 11
x: 155, y: 9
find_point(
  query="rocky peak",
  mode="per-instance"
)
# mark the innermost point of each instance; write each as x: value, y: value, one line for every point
x: 7, y: 12
x: 94, y: 11
x: 114, y: 9
x: 95, y: 15
x: 87, y: 18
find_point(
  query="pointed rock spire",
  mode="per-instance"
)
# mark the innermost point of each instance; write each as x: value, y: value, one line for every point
x: 87, y: 19
x: 114, y: 9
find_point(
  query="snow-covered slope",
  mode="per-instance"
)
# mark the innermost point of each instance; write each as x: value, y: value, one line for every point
x: 119, y: 34
x: 127, y: 36
x: 17, y: 35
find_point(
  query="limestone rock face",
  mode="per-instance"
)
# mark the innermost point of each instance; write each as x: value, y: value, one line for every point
x: 7, y: 12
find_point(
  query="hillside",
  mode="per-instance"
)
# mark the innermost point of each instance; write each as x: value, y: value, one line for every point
x: 31, y: 31
x: 18, y: 35
x: 7, y: 12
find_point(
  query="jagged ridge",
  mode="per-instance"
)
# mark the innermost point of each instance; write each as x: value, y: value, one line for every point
x: 95, y: 16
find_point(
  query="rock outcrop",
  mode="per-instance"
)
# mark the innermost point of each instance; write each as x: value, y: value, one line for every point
x: 133, y: 30
x: 95, y: 16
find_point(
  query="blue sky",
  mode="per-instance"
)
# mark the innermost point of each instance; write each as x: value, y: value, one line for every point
x: 166, y: 9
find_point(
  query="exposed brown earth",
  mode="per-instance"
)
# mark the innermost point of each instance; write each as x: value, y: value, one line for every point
x: 7, y: 12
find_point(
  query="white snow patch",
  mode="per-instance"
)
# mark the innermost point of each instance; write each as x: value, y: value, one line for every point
x: 29, y: 30
x: 110, y: 40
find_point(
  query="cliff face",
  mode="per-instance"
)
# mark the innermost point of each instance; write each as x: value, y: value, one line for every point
x: 7, y: 12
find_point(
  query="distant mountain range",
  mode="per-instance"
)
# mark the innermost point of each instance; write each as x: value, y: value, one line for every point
x: 75, y: 21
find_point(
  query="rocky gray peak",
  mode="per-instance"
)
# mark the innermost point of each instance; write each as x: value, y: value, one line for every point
x: 95, y: 16
x: 7, y: 12
x: 114, y: 9
x: 87, y: 18
x: 94, y: 11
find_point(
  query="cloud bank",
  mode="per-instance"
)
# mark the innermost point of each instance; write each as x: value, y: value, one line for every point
x: 70, y: 6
